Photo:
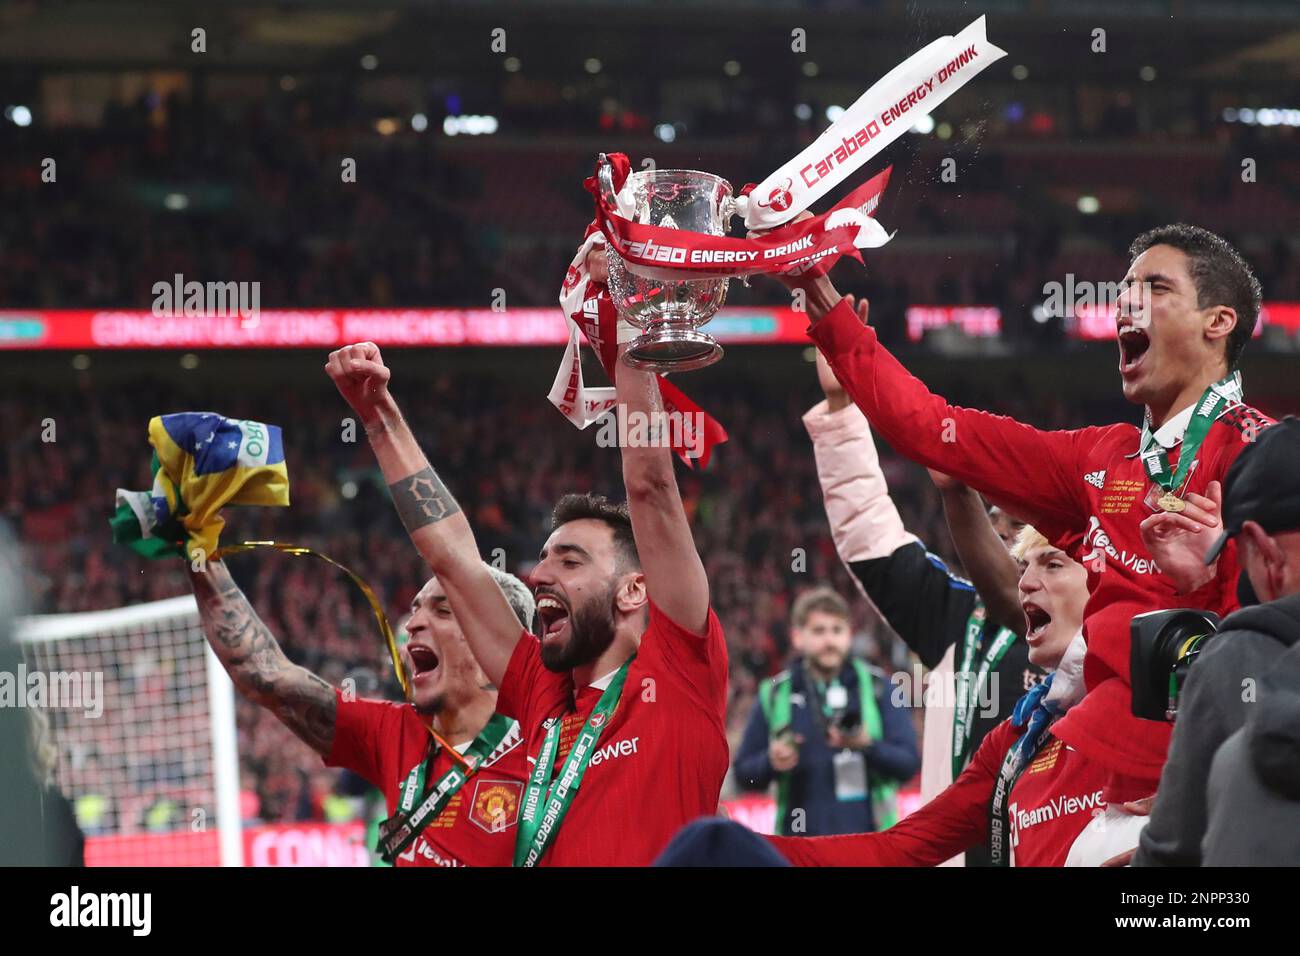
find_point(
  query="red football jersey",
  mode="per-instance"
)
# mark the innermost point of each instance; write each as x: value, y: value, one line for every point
x: 660, y: 760
x: 1053, y: 799
x: 1085, y: 489
x: 382, y: 742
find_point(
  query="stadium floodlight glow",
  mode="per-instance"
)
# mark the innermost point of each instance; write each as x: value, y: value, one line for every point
x: 176, y: 202
x: 288, y: 84
x: 1039, y: 313
x: 944, y: 131
x: 419, y: 122
x: 803, y: 112
x: 81, y: 361
x: 924, y: 126
x: 1266, y: 116
x: 469, y: 125
x: 834, y: 112
x: 1088, y: 205
x: 809, y: 68
x: 1020, y: 72
x: 348, y: 489
x: 189, y: 361
x: 665, y: 132
x: 731, y: 68
x: 387, y: 125
x: 1147, y: 73
x: 19, y: 115
x: 512, y: 64
x: 592, y: 65
x: 369, y: 61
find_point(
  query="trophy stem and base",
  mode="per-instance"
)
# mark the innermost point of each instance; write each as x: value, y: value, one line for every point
x: 666, y: 347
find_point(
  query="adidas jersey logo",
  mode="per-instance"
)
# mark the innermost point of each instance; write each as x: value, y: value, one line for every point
x: 1096, y: 478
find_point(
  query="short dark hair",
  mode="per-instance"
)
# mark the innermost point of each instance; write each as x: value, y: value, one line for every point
x: 575, y: 507
x: 818, y: 599
x: 1221, y: 275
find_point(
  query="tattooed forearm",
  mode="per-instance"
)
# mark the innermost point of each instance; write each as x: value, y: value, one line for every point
x: 387, y: 419
x: 255, y: 662
x: 307, y: 706
x: 422, y: 499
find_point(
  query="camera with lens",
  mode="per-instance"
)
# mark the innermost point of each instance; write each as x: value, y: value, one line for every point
x: 1163, y: 647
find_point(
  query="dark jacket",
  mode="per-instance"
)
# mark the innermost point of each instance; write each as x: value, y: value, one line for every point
x: 894, y: 757
x: 1253, y: 797
x: 1224, y: 687
x: 928, y: 607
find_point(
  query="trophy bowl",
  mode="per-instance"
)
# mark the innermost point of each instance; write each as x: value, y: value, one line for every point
x: 670, y: 313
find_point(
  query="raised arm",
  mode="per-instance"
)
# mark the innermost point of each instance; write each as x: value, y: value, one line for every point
x: 992, y: 570
x: 925, y: 604
x: 437, y: 527
x: 991, y: 453
x: 674, y: 573
x: 256, y: 664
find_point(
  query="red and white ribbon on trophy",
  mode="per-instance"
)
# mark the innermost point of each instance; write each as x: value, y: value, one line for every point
x: 878, y: 117
x: 589, y: 309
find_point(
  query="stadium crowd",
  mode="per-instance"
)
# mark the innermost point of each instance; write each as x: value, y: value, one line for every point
x: 253, y: 191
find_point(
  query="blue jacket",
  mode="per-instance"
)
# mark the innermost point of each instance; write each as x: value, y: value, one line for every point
x: 812, y: 785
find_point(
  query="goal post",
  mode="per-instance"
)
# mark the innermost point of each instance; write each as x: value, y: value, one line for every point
x: 141, y: 716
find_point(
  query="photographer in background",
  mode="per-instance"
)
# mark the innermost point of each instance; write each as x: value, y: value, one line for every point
x: 827, y: 731
x: 1226, y: 685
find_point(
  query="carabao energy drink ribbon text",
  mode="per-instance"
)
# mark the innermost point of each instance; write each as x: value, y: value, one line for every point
x: 878, y: 117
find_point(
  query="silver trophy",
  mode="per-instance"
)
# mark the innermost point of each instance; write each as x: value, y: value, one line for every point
x: 670, y: 313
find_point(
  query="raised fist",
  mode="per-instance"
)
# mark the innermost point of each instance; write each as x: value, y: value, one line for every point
x: 360, y: 375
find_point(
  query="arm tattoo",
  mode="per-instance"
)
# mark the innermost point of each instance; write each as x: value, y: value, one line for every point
x: 257, y: 665
x: 422, y: 499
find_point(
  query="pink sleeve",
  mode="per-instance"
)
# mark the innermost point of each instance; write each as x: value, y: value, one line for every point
x: 864, y: 522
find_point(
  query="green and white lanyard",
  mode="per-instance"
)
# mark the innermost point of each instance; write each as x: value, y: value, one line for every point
x: 774, y: 697
x: 968, y: 689
x: 400, y: 830
x: 545, y: 808
x: 1213, y: 401
x: 999, y: 811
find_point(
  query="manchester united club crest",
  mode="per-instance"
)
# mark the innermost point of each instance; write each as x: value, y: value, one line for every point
x: 496, y: 804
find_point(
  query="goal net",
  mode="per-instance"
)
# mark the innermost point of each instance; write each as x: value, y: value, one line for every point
x: 142, y: 726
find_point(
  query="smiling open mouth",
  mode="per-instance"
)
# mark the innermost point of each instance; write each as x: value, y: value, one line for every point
x: 423, y: 659
x: 1038, y: 620
x: 553, y: 613
x: 1133, y: 344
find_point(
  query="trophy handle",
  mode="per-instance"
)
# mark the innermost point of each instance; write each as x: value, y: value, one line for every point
x: 605, y: 177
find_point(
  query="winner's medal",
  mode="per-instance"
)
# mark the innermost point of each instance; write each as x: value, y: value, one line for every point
x: 1214, y: 401
x: 1172, y: 503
